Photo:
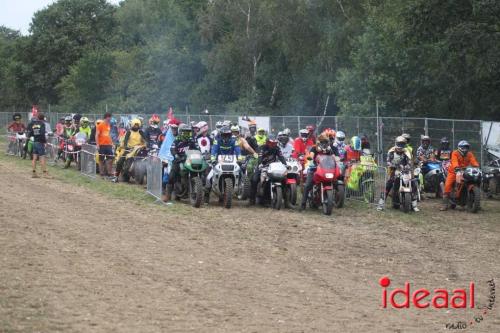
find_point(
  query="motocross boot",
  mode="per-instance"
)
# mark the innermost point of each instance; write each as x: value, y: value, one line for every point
x: 414, y: 206
x: 446, y: 203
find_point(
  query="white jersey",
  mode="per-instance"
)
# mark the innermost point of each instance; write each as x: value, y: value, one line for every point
x: 204, y: 144
x: 287, y: 150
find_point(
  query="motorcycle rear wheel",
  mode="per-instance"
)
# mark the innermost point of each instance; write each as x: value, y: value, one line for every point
x: 328, y: 203
x: 244, y: 188
x: 473, y: 200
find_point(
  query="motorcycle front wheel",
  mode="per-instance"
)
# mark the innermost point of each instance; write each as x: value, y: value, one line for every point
x: 406, y: 198
x: 277, y: 198
x: 228, y: 192
x: 328, y: 202
x: 473, y: 200
x: 197, y: 192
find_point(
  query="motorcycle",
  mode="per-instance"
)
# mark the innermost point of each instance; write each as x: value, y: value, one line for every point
x: 466, y: 191
x: 72, y: 148
x: 272, y: 180
x: 433, y: 177
x: 191, y: 178
x: 226, y: 179
x: 402, y: 195
x: 135, y: 165
x: 293, y: 176
x: 243, y: 190
x: 491, y: 173
x: 328, y: 189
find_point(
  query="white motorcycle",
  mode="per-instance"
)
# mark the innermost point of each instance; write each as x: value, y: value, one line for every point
x: 226, y: 178
x: 293, y: 176
x: 272, y: 180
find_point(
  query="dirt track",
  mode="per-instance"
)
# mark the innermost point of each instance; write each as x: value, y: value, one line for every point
x: 107, y: 265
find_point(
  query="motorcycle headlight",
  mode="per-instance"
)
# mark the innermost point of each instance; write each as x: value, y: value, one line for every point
x: 329, y: 175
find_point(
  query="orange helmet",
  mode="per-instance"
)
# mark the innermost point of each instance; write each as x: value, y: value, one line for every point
x: 155, y: 119
x: 329, y: 133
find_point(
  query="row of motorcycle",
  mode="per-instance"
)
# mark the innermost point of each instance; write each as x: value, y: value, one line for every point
x: 278, y: 185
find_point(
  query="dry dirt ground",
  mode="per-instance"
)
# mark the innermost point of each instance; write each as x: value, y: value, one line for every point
x: 75, y: 260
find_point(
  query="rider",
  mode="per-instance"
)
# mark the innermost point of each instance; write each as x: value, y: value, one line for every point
x: 17, y: 126
x: 330, y: 134
x: 322, y: 147
x: 311, y: 136
x: 133, y: 138
x: 302, y: 144
x: 202, y: 138
x: 68, y: 131
x: 252, y: 141
x: 444, y: 151
x: 396, y: 157
x: 245, y: 148
x: 183, y: 142
x: 460, y: 158
x: 425, y: 152
x: 354, y: 151
x: 153, y: 132
x: 365, y: 143
x: 269, y: 153
x: 285, y: 145
x: 85, y: 127
x: 215, y: 132
x: 261, y: 137
x: 341, y: 146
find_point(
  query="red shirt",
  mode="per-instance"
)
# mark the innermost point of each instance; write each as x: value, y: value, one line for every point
x: 300, y: 147
x: 16, y: 127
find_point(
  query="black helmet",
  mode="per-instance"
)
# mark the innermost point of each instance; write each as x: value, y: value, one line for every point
x: 445, y: 143
x: 271, y: 140
x: 226, y: 134
x: 16, y: 116
x: 77, y: 117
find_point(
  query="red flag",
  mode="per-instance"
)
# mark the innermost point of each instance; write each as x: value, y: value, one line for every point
x: 170, y: 114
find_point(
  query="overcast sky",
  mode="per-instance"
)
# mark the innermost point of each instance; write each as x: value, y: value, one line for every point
x: 17, y: 14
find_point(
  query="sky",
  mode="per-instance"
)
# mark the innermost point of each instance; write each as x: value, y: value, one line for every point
x: 17, y: 14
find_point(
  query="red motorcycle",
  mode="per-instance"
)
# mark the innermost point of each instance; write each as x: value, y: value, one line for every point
x: 328, y: 188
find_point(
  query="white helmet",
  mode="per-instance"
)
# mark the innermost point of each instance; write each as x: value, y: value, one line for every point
x: 203, y: 126
x: 340, y: 136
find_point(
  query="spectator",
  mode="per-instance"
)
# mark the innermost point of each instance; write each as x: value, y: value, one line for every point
x: 36, y: 129
x: 105, y: 145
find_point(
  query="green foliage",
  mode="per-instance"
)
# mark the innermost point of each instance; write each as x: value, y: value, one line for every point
x: 416, y: 57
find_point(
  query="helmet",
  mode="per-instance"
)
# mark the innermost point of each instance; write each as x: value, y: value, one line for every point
x: 16, y: 116
x: 400, y: 142
x: 113, y: 121
x: 304, y: 134
x: 235, y: 128
x: 135, y: 122
x: 323, y: 142
x: 77, y: 117
x: 271, y: 141
x: 283, y: 138
x: 445, y: 143
x: 165, y: 123
x: 310, y: 128
x: 68, y: 118
x: 185, y: 131
x: 84, y: 120
x: 155, y: 119
x: 203, y: 126
x: 218, y: 124
x: 463, y: 147
x: 226, y: 123
x: 426, y: 141
x: 261, y: 131
x: 356, y: 143
x: 407, y: 137
x: 287, y: 132
x: 225, y: 134
x: 329, y: 133
x: 340, y: 136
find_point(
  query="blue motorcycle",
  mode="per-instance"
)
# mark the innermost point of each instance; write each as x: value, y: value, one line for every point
x: 433, y: 177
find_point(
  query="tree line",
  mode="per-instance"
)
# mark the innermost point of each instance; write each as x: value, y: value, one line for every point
x: 433, y: 58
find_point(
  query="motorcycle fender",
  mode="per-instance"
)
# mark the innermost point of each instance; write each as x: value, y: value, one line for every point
x: 291, y: 181
x: 327, y: 187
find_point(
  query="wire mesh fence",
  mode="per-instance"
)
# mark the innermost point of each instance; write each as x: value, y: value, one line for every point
x: 88, y: 160
x: 365, y: 182
x: 154, y: 176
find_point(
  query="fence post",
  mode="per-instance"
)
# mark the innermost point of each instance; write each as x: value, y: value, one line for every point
x: 426, y: 127
x: 357, y: 125
x: 298, y: 125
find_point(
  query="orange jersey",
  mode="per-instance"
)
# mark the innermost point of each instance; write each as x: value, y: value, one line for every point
x: 459, y: 161
x: 103, y: 136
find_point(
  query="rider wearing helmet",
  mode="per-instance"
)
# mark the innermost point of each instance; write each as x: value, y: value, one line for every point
x: 69, y: 128
x: 183, y: 142
x: 202, y: 138
x: 261, y: 137
x: 322, y: 147
x: 425, y: 152
x: 246, y: 149
x: 225, y: 144
x: 252, y: 141
x: 341, y: 146
x: 133, y: 138
x: 396, y: 157
x: 365, y: 144
x: 310, y: 129
x: 270, y: 152
x: 354, y: 151
x: 444, y: 151
x: 17, y: 126
x: 284, y: 144
x: 460, y: 158
x: 85, y: 127
x: 153, y: 132
x: 288, y: 133
x: 302, y: 144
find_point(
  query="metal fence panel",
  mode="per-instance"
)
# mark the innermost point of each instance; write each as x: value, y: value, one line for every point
x: 154, y: 176
x: 365, y: 182
x: 88, y: 160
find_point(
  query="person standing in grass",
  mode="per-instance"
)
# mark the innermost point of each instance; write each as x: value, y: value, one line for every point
x: 104, y: 144
x: 37, y: 131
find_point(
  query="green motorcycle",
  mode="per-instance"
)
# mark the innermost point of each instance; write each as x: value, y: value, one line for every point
x: 191, y: 180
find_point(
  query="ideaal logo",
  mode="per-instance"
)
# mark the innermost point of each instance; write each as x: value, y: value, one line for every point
x: 439, y: 299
